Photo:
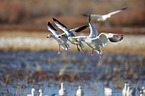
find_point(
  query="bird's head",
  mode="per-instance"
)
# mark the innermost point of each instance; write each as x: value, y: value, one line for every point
x: 49, y: 36
x: 40, y: 90
x: 33, y: 90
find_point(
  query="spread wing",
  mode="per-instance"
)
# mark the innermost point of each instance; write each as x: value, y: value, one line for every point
x: 114, y: 12
x: 93, y: 30
x: 52, y: 29
x: 101, y: 40
x: 62, y: 27
x: 78, y: 29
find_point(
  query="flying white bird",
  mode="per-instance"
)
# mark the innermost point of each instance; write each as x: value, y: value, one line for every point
x: 69, y: 34
x: 94, y: 41
x: 62, y: 91
x: 62, y: 42
x: 105, y: 17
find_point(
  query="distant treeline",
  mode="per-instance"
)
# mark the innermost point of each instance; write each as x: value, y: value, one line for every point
x: 13, y: 12
x: 20, y: 11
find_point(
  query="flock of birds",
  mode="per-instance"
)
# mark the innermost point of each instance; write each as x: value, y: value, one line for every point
x: 127, y: 91
x: 94, y: 40
x: 61, y: 92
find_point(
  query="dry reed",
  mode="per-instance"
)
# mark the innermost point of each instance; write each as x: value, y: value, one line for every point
x: 34, y: 41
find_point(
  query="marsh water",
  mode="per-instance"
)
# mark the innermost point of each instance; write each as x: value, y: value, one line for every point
x: 22, y: 70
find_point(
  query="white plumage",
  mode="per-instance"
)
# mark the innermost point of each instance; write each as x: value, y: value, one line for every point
x: 62, y: 91
x: 69, y: 34
x: 124, y: 91
x: 32, y: 92
x: 94, y: 41
x: 40, y: 92
x: 106, y: 16
x: 107, y: 91
x: 62, y: 42
x: 79, y: 92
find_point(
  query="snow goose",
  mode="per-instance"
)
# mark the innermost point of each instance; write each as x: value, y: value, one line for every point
x: 107, y: 91
x: 142, y: 91
x: 88, y: 39
x: 124, y: 91
x: 32, y: 92
x: 62, y: 42
x: 94, y: 41
x: 106, y: 16
x: 40, y: 92
x: 143, y: 88
x: 62, y: 91
x: 79, y: 92
x: 69, y: 34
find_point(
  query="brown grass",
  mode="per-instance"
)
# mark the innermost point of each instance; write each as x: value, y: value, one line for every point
x: 17, y: 11
x: 130, y: 17
x: 131, y: 44
x: 13, y: 12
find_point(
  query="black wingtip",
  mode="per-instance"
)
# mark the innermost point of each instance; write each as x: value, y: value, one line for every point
x: 113, y: 39
x: 81, y: 28
x: 121, y: 37
x: 50, y: 25
x: 85, y: 15
x: 124, y: 8
x: 55, y: 20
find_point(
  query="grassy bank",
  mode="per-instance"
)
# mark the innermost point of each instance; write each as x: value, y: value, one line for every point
x: 37, y: 41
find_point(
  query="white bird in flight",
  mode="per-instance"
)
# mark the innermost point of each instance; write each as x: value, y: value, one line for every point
x: 62, y: 42
x: 70, y: 34
x: 94, y: 41
x: 106, y: 16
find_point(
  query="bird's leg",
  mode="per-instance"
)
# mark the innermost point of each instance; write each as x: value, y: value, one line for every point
x: 58, y: 49
x: 81, y: 48
x: 67, y: 48
x: 78, y: 48
x: 100, y: 56
x: 92, y: 53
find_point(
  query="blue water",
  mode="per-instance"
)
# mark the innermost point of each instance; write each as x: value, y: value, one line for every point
x: 90, y: 73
